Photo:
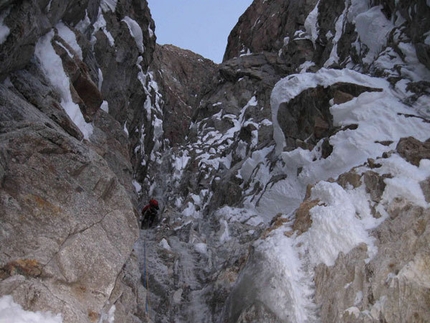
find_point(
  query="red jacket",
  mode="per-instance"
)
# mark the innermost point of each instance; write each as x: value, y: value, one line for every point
x: 153, y: 205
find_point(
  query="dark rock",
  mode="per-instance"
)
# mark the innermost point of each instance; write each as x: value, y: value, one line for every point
x: 265, y: 24
x: 307, y: 116
x: 183, y: 77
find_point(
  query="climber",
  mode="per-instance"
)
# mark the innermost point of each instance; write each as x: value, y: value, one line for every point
x: 149, y: 213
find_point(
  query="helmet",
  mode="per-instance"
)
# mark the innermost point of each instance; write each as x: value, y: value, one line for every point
x: 153, y: 202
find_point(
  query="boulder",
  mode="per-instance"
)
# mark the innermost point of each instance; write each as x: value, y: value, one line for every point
x: 413, y: 150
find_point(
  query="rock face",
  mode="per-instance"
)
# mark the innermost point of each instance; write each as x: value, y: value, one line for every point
x: 265, y: 25
x: 68, y: 205
x: 183, y: 77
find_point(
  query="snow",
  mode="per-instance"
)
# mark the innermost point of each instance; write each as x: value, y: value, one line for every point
x: 137, y: 186
x: 48, y: 7
x: 135, y: 32
x: 52, y: 66
x: 373, y: 29
x: 108, y: 5
x: 339, y: 223
x: 334, y: 58
x: 427, y: 39
x: 290, y: 298
x: 224, y: 234
x: 69, y: 36
x: 108, y: 317
x: 164, y: 244
x: 4, y: 30
x: 125, y: 128
x: 101, y: 24
x: 201, y: 248
x: 11, y: 312
x: 241, y: 215
x: 342, y: 219
x: 84, y: 23
x: 291, y: 86
x: 406, y: 179
x: 311, y: 24
x: 105, y: 106
x: 304, y: 67
x: 357, y: 7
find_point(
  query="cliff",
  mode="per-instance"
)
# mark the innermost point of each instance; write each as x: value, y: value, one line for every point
x: 74, y: 79
x: 293, y: 178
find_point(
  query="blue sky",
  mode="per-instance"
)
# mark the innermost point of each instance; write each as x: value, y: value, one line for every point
x: 202, y: 26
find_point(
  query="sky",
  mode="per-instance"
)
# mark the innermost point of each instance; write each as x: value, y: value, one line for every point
x: 201, y: 26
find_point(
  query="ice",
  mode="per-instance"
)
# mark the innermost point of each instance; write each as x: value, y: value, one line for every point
x: 11, y: 312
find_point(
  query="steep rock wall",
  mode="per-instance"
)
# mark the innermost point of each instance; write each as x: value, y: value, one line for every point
x: 74, y: 82
x: 183, y: 77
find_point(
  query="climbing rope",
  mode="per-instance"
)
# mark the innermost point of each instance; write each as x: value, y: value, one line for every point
x: 145, y: 275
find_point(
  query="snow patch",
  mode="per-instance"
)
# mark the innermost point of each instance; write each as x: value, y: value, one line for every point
x: 105, y: 106
x: 373, y: 29
x: 84, y: 23
x: 311, y: 24
x: 291, y: 86
x: 11, y: 312
x: 137, y: 186
x: 52, y: 66
x: 339, y: 223
x: 108, y: 5
x: 201, y: 248
x: 164, y: 244
x: 69, y: 37
x: 135, y: 32
x: 4, y: 30
x: 108, y: 317
x: 100, y: 24
x: 334, y: 58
